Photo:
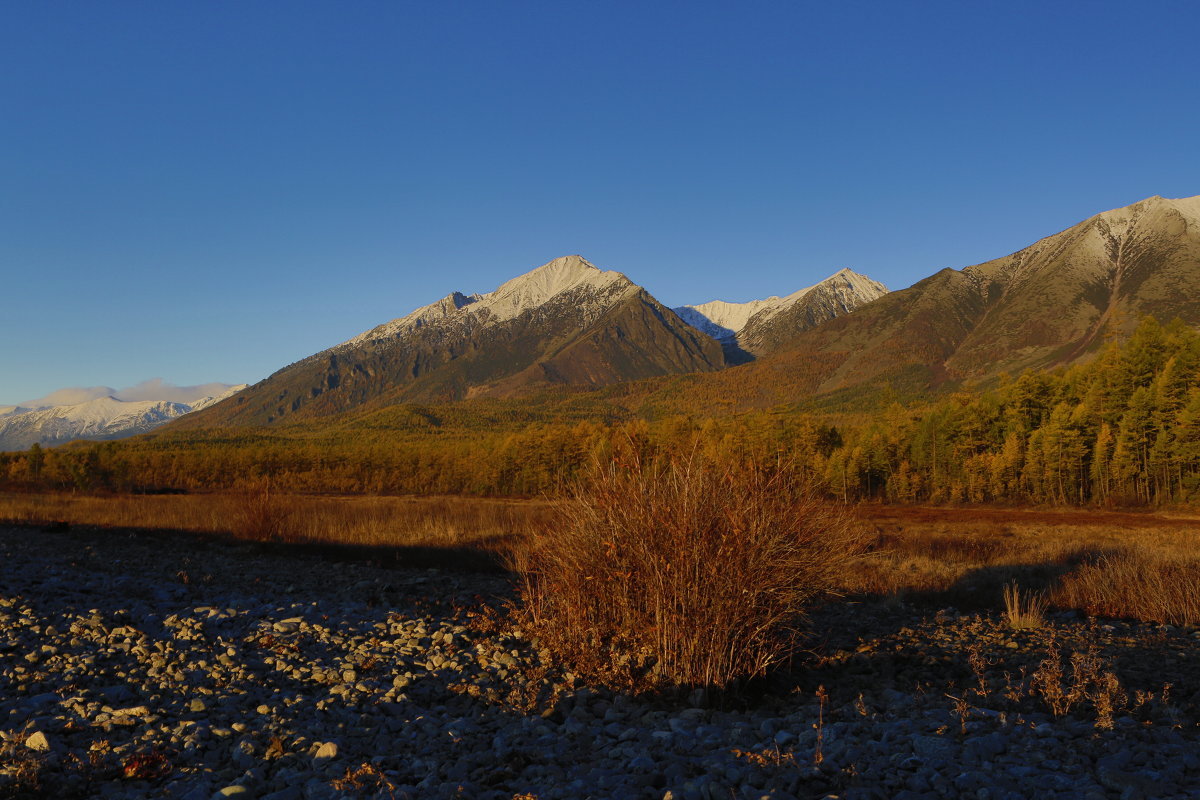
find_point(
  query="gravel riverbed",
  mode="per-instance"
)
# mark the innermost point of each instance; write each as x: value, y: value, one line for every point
x: 137, y: 665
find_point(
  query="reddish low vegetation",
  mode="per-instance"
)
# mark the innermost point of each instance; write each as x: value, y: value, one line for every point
x: 261, y: 513
x: 1135, y: 565
x: 1119, y: 564
x: 698, y: 572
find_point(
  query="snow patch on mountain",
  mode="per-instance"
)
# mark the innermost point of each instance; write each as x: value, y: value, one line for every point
x: 724, y: 320
x: 101, y: 418
x: 205, y: 402
x: 721, y: 319
x: 538, y: 287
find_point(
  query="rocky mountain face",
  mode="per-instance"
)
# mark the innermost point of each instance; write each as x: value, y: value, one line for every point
x: 569, y: 323
x: 1050, y: 304
x: 565, y: 322
x: 99, y: 419
x: 760, y: 327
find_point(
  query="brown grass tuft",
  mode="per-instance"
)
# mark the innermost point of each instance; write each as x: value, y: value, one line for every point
x: 698, y: 572
x: 366, y: 778
x: 1023, y: 610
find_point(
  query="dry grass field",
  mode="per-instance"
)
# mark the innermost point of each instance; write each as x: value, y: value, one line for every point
x: 453, y: 523
x: 1119, y: 564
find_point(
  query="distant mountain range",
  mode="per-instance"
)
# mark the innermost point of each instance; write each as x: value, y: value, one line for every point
x: 101, y: 418
x: 563, y: 323
x: 568, y: 323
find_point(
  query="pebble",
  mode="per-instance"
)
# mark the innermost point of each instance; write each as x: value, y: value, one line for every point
x: 37, y: 742
x: 276, y: 676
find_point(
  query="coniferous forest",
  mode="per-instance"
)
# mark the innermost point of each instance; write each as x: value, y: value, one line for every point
x: 1120, y: 430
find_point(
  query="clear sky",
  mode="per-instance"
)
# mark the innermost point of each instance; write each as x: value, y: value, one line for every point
x: 208, y: 191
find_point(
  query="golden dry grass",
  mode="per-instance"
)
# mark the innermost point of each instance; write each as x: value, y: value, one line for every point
x: 1141, y: 566
x: 1023, y: 609
x: 435, y: 522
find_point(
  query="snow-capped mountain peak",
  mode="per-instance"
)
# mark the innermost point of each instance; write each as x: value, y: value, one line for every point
x: 538, y: 286
x: 513, y: 297
x: 725, y: 320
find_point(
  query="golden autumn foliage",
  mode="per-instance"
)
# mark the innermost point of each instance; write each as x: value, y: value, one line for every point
x: 1123, y: 430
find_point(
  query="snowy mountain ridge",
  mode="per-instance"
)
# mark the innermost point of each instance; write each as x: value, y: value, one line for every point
x: 722, y: 319
x: 760, y: 324
x: 508, y: 301
x: 101, y: 418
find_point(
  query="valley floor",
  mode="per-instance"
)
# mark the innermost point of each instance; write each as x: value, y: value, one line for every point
x: 137, y: 665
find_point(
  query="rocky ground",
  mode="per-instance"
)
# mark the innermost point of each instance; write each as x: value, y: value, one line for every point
x: 140, y: 666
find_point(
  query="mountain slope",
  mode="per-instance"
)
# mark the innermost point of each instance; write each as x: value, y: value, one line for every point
x: 565, y: 322
x: 759, y: 327
x: 774, y: 327
x: 1046, y: 305
x: 102, y: 418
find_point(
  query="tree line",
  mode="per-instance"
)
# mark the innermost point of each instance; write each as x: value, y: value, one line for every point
x: 1122, y: 429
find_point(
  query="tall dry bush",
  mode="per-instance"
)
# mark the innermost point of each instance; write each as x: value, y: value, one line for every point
x: 260, y: 513
x: 702, y: 572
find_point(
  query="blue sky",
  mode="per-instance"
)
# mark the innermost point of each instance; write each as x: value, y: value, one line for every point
x: 210, y: 191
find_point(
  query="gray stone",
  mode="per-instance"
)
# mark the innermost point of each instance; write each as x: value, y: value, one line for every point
x: 286, y: 793
x: 931, y: 747
x: 985, y: 748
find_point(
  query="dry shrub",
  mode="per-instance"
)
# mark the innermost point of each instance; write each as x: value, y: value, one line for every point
x: 1086, y: 680
x: 146, y: 766
x: 1134, y: 583
x: 367, y: 778
x: 259, y: 513
x: 699, y: 571
x: 21, y: 769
